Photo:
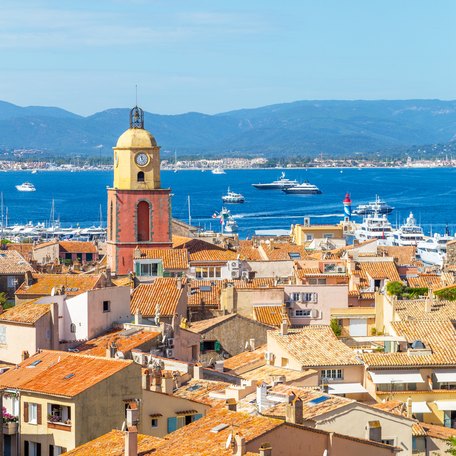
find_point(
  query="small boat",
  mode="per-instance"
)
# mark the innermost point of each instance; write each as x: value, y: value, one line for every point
x: 302, y: 189
x: 26, y: 187
x: 232, y: 197
x: 34, y: 171
x: 229, y: 225
x: 374, y: 207
x: 279, y: 184
x: 218, y: 170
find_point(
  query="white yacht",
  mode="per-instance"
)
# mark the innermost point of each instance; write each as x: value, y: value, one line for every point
x: 218, y: 170
x: 278, y: 184
x: 229, y: 225
x: 373, y: 207
x: 374, y: 226
x: 408, y: 234
x: 305, y: 188
x: 232, y: 197
x: 433, y: 250
x: 26, y: 187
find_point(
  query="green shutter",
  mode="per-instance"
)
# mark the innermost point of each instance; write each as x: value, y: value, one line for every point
x: 218, y: 346
x: 137, y: 268
x: 172, y: 424
x: 160, y: 269
x: 197, y: 416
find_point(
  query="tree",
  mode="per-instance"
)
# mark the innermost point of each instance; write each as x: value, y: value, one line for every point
x: 394, y: 288
x: 452, y: 443
x: 3, y: 299
x: 337, y: 329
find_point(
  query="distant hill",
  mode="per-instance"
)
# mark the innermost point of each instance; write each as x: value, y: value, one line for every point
x: 308, y: 128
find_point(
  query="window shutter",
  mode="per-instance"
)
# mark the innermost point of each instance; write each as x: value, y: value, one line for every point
x: 38, y: 447
x: 38, y: 414
x: 172, y: 424
x: 26, y: 413
x: 197, y: 416
x: 137, y: 268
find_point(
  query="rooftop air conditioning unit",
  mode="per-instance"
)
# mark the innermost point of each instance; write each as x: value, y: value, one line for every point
x: 232, y: 265
x: 169, y: 352
x: 340, y: 269
x: 235, y: 274
x: 314, y: 313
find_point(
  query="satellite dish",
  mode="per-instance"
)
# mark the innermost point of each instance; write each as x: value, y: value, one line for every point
x: 228, y: 440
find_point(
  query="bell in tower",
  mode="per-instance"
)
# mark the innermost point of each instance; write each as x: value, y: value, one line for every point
x: 137, y: 118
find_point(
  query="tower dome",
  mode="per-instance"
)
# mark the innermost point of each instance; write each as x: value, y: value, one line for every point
x: 136, y: 138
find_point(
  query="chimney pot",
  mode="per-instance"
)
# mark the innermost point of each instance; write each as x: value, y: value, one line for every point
x: 265, y: 449
x: 284, y: 328
x: 131, y: 441
x: 146, y: 380
x: 231, y: 404
x: 294, y: 411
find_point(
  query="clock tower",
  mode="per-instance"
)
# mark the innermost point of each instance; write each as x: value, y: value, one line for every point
x: 139, y: 210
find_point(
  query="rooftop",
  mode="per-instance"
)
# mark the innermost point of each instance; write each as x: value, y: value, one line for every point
x: 199, y: 390
x: 314, y: 346
x: 164, y: 291
x: 202, y: 251
x: 171, y: 258
x: 26, y: 313
x: 125, y: 341
x: 205, y: 293
x: 415, y: 309
x: 113, y: 443
x: 270, y: 315
x: 12, y: 262
x: 74, y: 284
x: 78, y: 247
x: 59, y: 373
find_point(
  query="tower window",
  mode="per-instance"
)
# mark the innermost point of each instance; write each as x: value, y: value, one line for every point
x: 140, y: 177
x: 143, y: 221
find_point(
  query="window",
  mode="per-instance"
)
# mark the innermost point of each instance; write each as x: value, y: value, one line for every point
x: 284, y: 362
x: 332, y: 374
x: 73, y: 328
x: 208, y: 272
x: 11, y: 282
x: 309, y: 237
x: 388, y: 442
x: 309, y: 297
x: 3, y: 335
x: 140, y: 177
x: 302, y: 313
x: 143, y: 221
x: 55, y: 450
x: 327, y: 236
x: 68, y: 256
x: 106, y: 306
x: 89, y: 256
x: 313, y: 281
x: 148, y: 269
x: 31, y: 412
x: 59, y: 414
x: 32, y: 448
x: 154, y: 422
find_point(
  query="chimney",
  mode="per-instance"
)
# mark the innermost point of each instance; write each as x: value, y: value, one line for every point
x: 138, y: 317
x: 427, y: 305
x: 374, y: 431
x: 111, y: 350
x: 131, y: 441
x: 167, y: 385
x: 145, y: 380
x: 179, y: 284
x: 265, y: 449
x: 262, y: 396
x: 198, y: 373
x: 108, y: 277
x: 25, y: 355
x: 294, y: 412
x: 28, y: 278
x: 284, y: 327
x: 239, y: 446
x: 409, y: 407
x: 325, y: 386
x: 252, y: 344
x: 231, y: 404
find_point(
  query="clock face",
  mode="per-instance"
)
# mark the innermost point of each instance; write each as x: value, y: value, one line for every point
x: 141, y: 159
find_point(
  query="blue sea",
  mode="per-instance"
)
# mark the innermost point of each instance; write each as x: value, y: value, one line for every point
x: 429, y: 193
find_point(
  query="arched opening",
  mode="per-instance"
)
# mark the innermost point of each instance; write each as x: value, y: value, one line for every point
x: 140, y: 177
x: 143, y: 221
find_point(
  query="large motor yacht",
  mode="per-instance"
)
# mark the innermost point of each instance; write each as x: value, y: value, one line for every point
x: 373, y: 207
x: 232, y: 197
x: 374, y: 226
x: 26, y: 187
x: 278, y: 184
x: 302, y: 189
x: 408, y: 234
x: 433, y: 250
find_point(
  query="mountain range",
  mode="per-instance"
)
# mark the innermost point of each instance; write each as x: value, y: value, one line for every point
x: 301, y: 128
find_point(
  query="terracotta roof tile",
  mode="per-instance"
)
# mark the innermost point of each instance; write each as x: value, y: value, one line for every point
x: 78, y: 247
x: 12, y: 262
x: 25, y: 249
x: 259, y: 282
x: 26, y: 313
x: 270, y: 315
x: 204, y: 325
x: 125, y: 341
x: 283, y: 251
x: 164, y: 291
x: 433, y: 281
x: 439, y: 336
x: 416, y: 309
x: 113, y: 444
x: 205, y: 293
x: 74, y: 284
x: 248, y: 251
x: 400, y: 408
x: 402, y: 255
x: 378, y: 270
x: 315, y: 345
x: 243, y: 360
x: 51, y: 374
x: 199, y: 390
x: 172, y: 258
x: 202, y: 251
x: 197, y: 438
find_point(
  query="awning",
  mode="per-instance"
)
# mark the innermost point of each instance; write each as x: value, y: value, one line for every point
x: 406, y: 376
x: 346, y: 388
x: 420, y: 407
x: 445, y: 375
x: 445, y: 405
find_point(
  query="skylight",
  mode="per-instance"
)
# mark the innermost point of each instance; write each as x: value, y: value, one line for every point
x: 294, y: 255
x: 67, y: 377
x: 219, y: 428
x: 318, y: 400
x: 194, y: 388
x: 35, y: 363
x: 205, y: 288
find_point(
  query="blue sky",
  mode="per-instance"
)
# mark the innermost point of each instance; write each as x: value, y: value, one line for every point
x: 218, y: 55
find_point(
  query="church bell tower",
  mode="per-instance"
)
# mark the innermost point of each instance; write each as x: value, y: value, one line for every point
x: 139, y: 210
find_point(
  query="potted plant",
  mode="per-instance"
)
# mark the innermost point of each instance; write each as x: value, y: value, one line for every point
x: 9, y: 422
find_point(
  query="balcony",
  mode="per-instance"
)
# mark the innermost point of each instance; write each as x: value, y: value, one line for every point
x: 10, y: 428
x: 59, y: 425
